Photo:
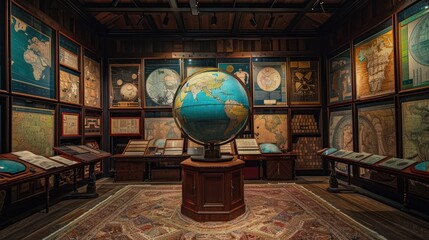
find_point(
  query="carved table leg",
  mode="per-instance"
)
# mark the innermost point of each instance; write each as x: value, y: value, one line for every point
x: 333, y: 182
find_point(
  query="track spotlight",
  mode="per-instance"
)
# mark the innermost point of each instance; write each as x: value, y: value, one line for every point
x: 271, y: 21
x: 214, y: 19
x: 253, y: 21
x: 115, y: 3
x: 165, y: 20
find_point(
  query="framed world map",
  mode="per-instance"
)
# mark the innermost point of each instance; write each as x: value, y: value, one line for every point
x: 161, y: 128
x: 271, y: 128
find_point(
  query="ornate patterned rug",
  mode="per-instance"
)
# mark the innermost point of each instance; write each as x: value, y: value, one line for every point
x: 278, y: 211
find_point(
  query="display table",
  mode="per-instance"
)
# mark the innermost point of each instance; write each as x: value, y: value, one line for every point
x: 270, y: 166
x: 212, y: 191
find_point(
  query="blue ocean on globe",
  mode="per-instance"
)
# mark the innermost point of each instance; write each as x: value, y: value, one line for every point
x: 269, y: 148
x: 11, y: 167
x: 211, y: 107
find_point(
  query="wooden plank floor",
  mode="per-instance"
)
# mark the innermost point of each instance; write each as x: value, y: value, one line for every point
x: 386, y: 220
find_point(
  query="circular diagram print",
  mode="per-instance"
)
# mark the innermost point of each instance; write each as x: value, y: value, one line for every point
x: 268, y: 79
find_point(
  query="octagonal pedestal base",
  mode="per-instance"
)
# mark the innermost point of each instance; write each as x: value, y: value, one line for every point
x: 212, y: 191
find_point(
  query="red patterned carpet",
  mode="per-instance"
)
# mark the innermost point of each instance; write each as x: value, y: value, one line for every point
x: 279, y: 211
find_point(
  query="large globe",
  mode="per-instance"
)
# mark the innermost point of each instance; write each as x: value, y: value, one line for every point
x: 211, y: 107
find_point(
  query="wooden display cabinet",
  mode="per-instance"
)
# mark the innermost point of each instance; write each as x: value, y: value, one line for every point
x: 130, y: 170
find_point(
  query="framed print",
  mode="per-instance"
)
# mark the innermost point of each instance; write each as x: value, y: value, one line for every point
x: 162, y: 127
x: 70, y: 124
x: 238, y: 67
x: 340, y: 78
x: 193, y: 65
x: 124, y: 85
x: 162, y: 78
x: 247, y: 146
x: 174, y: 146
x: 92, y: 82
x: 341, y: 134
x: 136, y: 147
x: 33, y: 128
x: 69, y: 86
x: 305, y: 82
x: 124, y: 126
x: 92, y: 125
x: 414, y: 61
x: 32, y: 48
x: 269, y: 84
x: 69, y: 52
x: 397, y: 163
x: 271, y: 128
x: 374, y: 64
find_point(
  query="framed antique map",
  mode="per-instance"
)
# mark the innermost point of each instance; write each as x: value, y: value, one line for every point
x: 305, y: 82
x: 92, y: 125
x: 70, y: 124
x: 33, y: 129
x: 32, y: 49
x: 269, y: 84
x: 239, y: 67
x: 413, y: 24
x: 162, y: 78
x: 69, y: 53
x: 271, y: 128
x: 341, y: 134
x: 340, y: 78
x: 161, y: 127
x: 69, y: 86
x: 193, y: 65
x: 124, y: 85
x: 125, y: 126
x: 374, y: 64
x: 92, y: 83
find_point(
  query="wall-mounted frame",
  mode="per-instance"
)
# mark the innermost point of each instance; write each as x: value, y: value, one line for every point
x: 414, y: 58
x: 69, y: 86
x: 269, y: 83
x: 340, y: 78
x: 32, y: 45
x: 70, y: 124
x: 374, y: 62
x: 174, y: 146
x: 92, y: 82
x: 193, y: 65
x: 33, y: 127
x: 69, y: 53
x: 271, y: 127
x: 162, y: 78
x: 238, y: 67
x: 305, y: 84
x: 92, y: 125
x: 161, y: 127
x: 125, y: 126
x: 124, y: 84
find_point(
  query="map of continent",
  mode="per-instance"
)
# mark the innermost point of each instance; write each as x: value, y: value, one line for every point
x: 91, y: 74
x: 69, y: 87
x: 271, y: 128
x: 33, y: 130
x: 161, y: 128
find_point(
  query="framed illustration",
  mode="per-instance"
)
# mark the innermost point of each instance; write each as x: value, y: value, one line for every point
x: 69, y: 53
x: 162, y: 78
x: 32, y: 48
x: 161, y: 127
x: 238, y: 67
x: 271, y: 128
x: 136, y: 147
x: 340, y: 78
x: 69, y: 86
x: 341, y: 134
x: 124, y: 85
x: 269, y: 84
x: 247, y: 146
x: 305, y: 82
x: 374, y: 64
x: 124, y: 126
x: 92, y: 82
x: 92, y: 125
x: 70, y: 124
x: 413, y: 23
x: 174, y: 146
x: 193, y: 65
x: 33, y: 128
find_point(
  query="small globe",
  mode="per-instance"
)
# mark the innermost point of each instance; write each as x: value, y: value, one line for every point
x: 129, y: 92
x: 211, y: 107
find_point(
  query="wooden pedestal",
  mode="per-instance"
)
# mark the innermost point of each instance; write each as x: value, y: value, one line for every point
x: 212, y: 191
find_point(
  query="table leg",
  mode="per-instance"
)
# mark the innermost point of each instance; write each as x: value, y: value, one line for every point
x: 333, y: 182
x: 47, y: 187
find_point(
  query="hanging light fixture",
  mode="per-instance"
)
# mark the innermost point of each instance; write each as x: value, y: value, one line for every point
x: 253, y: 21
x: 214, y: 19
x: 166, y: 19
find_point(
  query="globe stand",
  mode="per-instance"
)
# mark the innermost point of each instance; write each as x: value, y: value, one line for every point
x: 212, y: 154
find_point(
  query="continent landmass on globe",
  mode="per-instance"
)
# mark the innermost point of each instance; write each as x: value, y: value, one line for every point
x: 236, y: 113
x: 37, y: 53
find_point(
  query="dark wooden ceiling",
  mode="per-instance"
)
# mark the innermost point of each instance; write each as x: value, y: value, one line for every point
x: 194, y: 17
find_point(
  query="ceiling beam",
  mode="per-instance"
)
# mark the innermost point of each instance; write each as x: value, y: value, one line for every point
x: 237, y: 20
x: 301, y: 14
x: 204, y: 9
x: 177, y: 17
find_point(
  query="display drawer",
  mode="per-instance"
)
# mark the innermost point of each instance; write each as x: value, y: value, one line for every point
x: 130, y: 171
x: 280, y: 170
x: 166, y: 174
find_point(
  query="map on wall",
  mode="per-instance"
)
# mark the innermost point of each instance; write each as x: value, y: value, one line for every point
x: 376, y: 126
x: 305, y: 82
x: 340, y: 80
x: 91, y: 76
x: 161, y: 128
x: 161, y: 85
x: 269, y: 83
x: 33, y: 129
x: 341, y: 134
x: 125, y: 85
x: 271, y: 128
x: 414, y: 49
x: 32, y: 61
x: 374, y: 65
x: 69, y: 86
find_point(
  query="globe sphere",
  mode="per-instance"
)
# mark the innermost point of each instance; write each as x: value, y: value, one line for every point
x: 419, y: 41
x: 211, y: 107
x: 129, y: 92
